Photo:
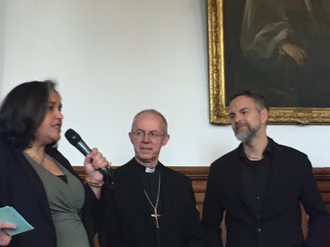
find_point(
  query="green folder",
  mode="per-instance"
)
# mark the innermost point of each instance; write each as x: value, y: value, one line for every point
x: 10, y: 215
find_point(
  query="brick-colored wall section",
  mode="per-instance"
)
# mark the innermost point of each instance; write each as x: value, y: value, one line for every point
x: 199, y: 175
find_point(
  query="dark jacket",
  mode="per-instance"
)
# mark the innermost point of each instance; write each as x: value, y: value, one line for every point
x: 131, y: 224
x: 21, y: 187
x: 291, y: 183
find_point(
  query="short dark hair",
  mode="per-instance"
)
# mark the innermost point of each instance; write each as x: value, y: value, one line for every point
x: 22, y: 111
x: 258, y: 98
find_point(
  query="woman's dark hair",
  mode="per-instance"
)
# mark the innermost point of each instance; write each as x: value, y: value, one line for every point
x: 22, y: 112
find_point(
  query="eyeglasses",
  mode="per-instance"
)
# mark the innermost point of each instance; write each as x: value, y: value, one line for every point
x: 151, y: 134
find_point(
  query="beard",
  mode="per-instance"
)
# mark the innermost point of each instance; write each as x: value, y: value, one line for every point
x: 248, y: 135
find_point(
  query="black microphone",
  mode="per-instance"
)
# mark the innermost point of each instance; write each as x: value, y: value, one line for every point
x: 74, y: 138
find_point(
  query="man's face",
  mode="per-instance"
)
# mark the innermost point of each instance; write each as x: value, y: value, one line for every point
x: 246, y: 118
x: 148, y: 137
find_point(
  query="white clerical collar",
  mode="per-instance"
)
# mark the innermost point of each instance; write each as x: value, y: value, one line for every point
x: 150, y: 170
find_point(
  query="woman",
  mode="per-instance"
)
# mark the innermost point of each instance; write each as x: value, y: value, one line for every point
x: 37, y: 180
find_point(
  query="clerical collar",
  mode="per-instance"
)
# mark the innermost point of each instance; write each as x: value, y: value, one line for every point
x: 145, y: 169
x: 150, y: 170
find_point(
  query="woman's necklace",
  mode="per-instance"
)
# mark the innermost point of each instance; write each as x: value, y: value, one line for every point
x: 41, y: 162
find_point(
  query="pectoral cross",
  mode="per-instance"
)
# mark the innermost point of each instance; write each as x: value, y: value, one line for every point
x: 155, y: 215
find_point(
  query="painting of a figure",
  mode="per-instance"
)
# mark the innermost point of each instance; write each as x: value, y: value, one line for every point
x: 280, y: 48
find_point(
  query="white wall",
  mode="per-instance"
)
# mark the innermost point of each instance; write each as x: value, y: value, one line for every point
x: 113, y: 58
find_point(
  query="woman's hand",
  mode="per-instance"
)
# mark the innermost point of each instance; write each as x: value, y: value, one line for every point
x: 5, y: 238
x: 93, y: 162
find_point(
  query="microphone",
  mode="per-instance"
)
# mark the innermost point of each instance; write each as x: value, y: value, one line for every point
x: 74, y: 138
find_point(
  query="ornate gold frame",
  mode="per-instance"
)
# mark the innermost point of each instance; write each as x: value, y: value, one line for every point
x: 218, y: 108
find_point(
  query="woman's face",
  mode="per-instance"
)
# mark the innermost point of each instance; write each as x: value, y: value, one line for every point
x: 50, y: 128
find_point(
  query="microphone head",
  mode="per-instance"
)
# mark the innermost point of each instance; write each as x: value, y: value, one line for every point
x: 72, y: 136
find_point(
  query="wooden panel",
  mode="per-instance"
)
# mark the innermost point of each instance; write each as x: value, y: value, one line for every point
x: 199, y: 175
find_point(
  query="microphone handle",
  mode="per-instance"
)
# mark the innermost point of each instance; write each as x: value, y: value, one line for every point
x: 84, y: 149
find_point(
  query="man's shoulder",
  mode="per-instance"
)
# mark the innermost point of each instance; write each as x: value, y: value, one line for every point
x: 286, y: 151
x: 174, y: 174
x: 123, y: 168
x: 226, y: 159
x: 129, y: 168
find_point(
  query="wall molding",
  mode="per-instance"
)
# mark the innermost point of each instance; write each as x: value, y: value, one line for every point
x: 202, y: 172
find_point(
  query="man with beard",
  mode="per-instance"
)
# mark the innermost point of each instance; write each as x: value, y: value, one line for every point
x: 260, y: 186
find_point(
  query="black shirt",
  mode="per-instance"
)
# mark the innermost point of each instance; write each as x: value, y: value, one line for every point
x: 255, y: 179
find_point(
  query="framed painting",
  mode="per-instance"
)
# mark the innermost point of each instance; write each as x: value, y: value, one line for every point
x: 278, y: 48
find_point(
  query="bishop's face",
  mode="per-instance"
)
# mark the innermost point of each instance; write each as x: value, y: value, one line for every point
x: 148, y: 138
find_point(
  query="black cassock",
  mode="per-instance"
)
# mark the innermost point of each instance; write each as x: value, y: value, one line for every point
x: 132, y: 221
